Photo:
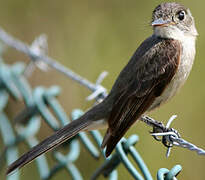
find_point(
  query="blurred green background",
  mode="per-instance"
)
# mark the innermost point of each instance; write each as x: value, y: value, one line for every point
x: 92, y: 36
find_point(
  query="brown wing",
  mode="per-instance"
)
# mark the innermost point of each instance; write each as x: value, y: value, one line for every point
x: 150, y: 74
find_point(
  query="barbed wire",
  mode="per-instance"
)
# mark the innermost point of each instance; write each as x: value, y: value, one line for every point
x: 99, y: 92
x: 35, y: 102
x: 170, y: 135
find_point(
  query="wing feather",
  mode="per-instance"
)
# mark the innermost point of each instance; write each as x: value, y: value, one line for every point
x: 150, y: 73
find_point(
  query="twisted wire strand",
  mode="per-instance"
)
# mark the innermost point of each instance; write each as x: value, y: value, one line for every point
x: 185, y: 144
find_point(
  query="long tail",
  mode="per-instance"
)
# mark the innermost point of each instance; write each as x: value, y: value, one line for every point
x: 51, y: 142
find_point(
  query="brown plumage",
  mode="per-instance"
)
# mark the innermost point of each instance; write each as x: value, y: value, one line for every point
x: 151, y: 73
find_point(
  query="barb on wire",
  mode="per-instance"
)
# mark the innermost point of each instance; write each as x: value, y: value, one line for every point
x: 172, y: 137
x: 100, y: 90
x: 39, y: 46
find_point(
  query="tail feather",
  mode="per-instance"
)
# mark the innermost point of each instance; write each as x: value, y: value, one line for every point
x: 51, y: 142
x: 105, y: 139
x: 110, y: 143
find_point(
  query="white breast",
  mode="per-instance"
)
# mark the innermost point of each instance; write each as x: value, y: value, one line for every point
x: 186, y: 62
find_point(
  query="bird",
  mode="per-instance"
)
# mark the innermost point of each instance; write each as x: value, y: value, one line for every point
x: 154, y: 74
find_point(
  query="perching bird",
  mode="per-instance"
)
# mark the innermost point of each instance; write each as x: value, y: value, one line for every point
x: 154, y: 74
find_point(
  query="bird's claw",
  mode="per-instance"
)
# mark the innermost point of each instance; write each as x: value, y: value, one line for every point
x: 156, y: 138
x: 166, y: 141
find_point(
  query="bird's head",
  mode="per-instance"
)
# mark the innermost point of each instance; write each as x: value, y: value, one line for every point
x: 174, y: 21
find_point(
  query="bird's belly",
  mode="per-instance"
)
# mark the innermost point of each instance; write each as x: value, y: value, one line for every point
x: 169, y: 92
x: 178, y: 80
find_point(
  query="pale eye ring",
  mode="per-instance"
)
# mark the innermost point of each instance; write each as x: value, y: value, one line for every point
x: 181, y: 15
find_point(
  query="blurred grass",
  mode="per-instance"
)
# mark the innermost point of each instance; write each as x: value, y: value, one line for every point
x: 92, y: 36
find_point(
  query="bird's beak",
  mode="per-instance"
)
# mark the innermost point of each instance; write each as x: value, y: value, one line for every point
x: 161, y: 22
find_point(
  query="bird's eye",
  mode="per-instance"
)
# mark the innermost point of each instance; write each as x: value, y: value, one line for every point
x: 181, y: 15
